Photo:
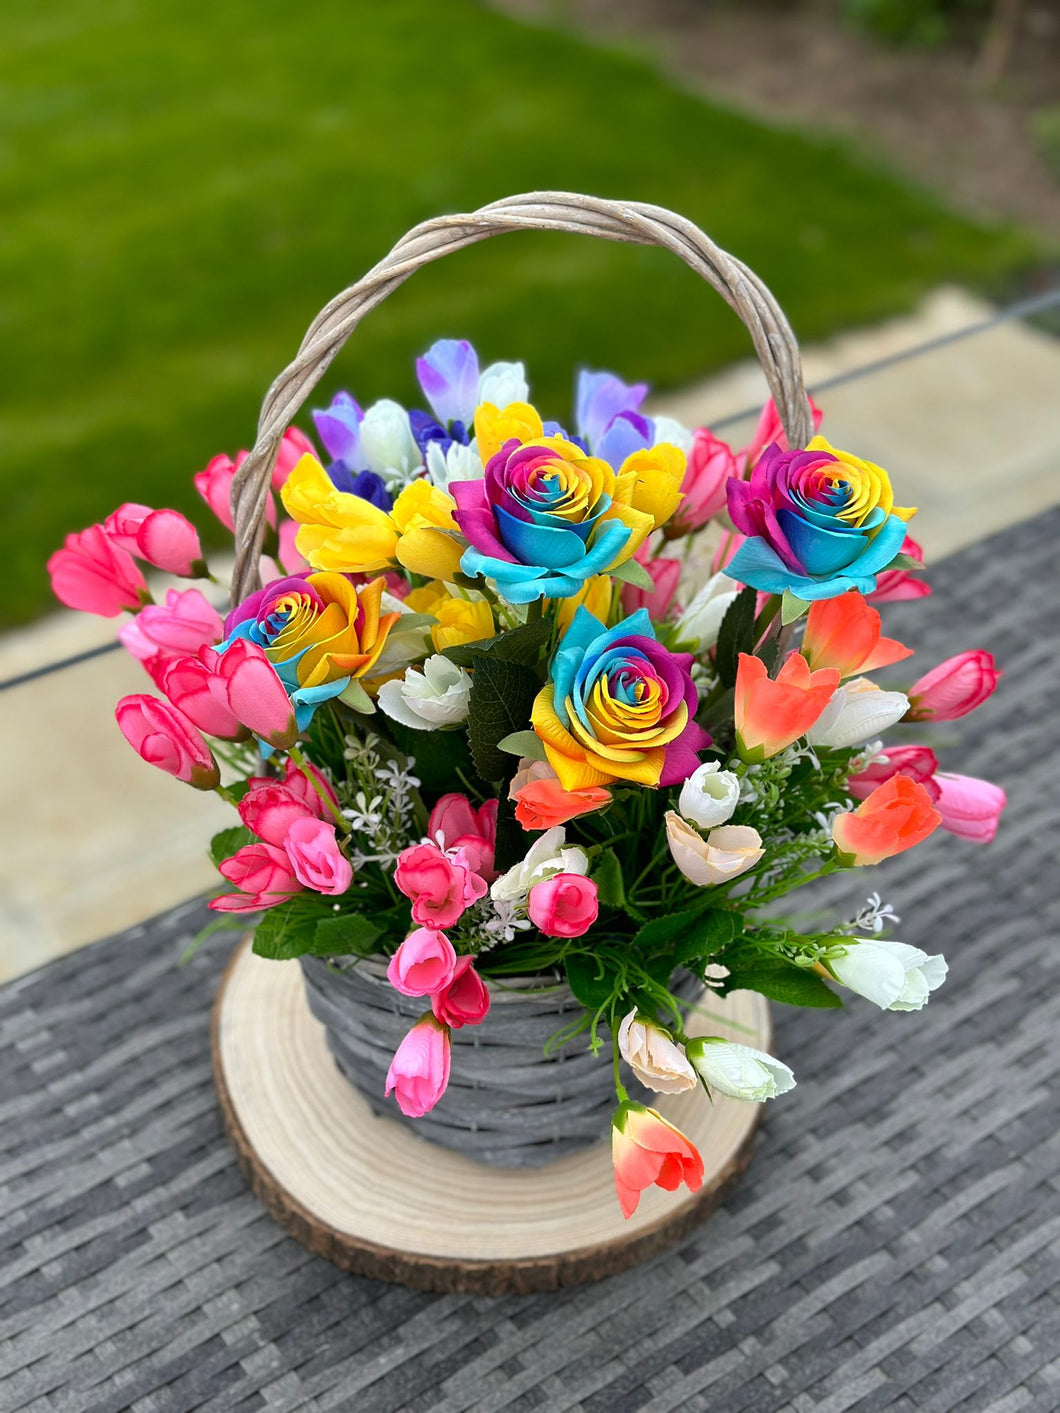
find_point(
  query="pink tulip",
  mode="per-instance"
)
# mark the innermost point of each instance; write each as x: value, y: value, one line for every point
x: 564, y: 905
x: 291, y: 562
x: 311, y: 787
x: 214, y: 484
x: 456, y: 824
x: 190, y: 685
x: 441, y: 884
x: 93, y: 574
x: 970, y: 808
x: 165, y: 538
x: 419, y: 1071
x: 264, y: 875
x: 710, y: 466
x: 181, y: 626
x: 294, y: 446
x: 163, y: 736
x: 316, y: 858
x: 424, y: 963
x: 894, y: 585
x: 465, y: 1001
x: 664, y: 574
x: 269, y: 808
x: 244, y: 679
x: 917, y: 762
x: 954, y: 688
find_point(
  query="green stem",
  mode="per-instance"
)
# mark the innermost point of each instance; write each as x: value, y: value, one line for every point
x: 295, y: 752
x: 226, y: 795
x: 621, y: 1093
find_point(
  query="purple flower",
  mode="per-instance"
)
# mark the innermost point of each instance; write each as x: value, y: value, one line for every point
x: 599, y: 399
x: 339, y: 429
x: 448, y: 374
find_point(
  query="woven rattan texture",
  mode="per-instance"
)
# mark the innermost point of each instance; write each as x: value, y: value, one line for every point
x: 892, y: 1248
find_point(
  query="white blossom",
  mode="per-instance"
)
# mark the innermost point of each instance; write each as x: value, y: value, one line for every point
x: 428, y: 699
x: 858, y: 710
x: 456, y: 463
x: 548, y: 855
x: 701, y: 620
x: 709, y: 795
x: 738, y: 1070
x: 892, y: 975
x: 668, y: 429
x: 387, y: 442
x: 503, y: 383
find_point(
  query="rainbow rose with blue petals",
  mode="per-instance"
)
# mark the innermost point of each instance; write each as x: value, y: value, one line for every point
x: 620, y: 707
x: 818, y: 523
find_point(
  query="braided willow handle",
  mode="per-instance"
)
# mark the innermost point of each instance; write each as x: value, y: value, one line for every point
x: 630, y: 221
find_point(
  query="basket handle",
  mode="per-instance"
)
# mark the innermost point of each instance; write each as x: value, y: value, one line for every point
x: 630, y: 221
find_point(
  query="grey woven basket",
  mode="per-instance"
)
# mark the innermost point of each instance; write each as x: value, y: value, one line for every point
x: 507, y: 1103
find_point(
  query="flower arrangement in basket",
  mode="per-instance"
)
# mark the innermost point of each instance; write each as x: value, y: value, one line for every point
x: 482, y: 742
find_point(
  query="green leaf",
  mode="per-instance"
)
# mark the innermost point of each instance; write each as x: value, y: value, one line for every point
x: 792, y: 607
x: 346, y: 935
x: 905, y: 561
x: 592, y: 982
x: 607, y: 875
x: 779, y: 980
x: 705, y: 938
x: 502, y: 694
x: 285, y: 932
x: 523, y: 743
x: 229, y: 842
x: 356, y: 698
x: 736, y: 635
x: 633, y: 572
x: 522, y: 644
x: 438, y: 754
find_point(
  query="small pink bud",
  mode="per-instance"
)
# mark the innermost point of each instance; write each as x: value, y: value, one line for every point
x: 423, y: 964
x: 163, y: 736
x: 93, y: 574
x: 419, y: 1071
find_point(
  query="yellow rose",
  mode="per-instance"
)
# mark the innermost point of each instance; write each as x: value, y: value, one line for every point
x: 460, y: 620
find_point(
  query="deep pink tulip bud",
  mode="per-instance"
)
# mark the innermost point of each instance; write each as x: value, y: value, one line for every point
x: 917, y: 762
x: 954, y: 688
x: 294, y: 446
x: 165, y: 538
x: 189, y: 684
x: 93, y: 574
x: 897, y: 585
x: 247, y: 683
x: 311, y: 787
x: 269, y: 808
x: 564, y: 905
x: 291, y: 561
x: 163, y: 736
x: 315, y: 855
x: 441, y: 885
x: 456, y: 824
x: 465, y: 1001
x: 179, y: 627
x: 419, y: 1071
x: 264, y: 876
x: 770, y: 429
x: 970, y: 808
x: 424, y: 963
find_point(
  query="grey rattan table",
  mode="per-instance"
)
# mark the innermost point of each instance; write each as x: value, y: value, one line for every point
x: 893, y: 1246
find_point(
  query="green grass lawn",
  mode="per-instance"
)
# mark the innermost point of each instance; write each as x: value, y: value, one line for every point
x: 185, y: 183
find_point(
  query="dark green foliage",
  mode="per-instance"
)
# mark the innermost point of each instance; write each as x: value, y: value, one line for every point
x: 736, y: 635
x: 502, y: 694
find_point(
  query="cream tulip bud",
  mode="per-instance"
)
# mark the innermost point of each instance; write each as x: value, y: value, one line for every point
x: 892, y: 975
x: 700, y: 622
x: 725, y: 853
x: 709, y: 796
x: 858, y: 711
x: 654, y: 1056
x: 738, y: 1070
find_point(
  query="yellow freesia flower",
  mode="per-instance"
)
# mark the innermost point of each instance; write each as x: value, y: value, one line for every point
x: 460, y: 620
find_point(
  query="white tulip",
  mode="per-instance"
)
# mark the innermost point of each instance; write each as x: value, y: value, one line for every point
x: 546, y: 856
x: 668, y: 429
x: 738, y: 1070
x: 725, y: 853
x: 456, y: 463
x: 857, y: 712
x: 387, y: 441
x: 709, y: 796
x: 654, y: 1056
x: 892, y: 975
x: 429, y: 699
x: 700, y: 623
x: 503, y: 383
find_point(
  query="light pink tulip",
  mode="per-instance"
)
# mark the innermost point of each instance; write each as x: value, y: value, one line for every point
x: 954, y: 688
x: 162, y: 736
x: 770, y: 429
x: 316, y: 858
x: 245, y: 680
x: 895, y: 585
x: 970, y: 808
x: 710, y: 466
x: 214, y: 484
x: 465, y: 1001
x: 294, y: 446
x: 918, y: 762
x: 419, y: 1071
x: 456, y: 824
x: 264, y: 875
x: 564, y: 905
x: 441, y: 884
x: 165, y: 538
x: 729, y: 544
x: 424, y: 963
x: 93, y: 574
x: 665, y: 574
x: 269, y: 808
x: 179, y: 627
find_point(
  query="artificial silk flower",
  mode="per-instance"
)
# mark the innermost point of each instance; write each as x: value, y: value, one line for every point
x: 316, y: 858
x: 214, y: 483
x: 700, y: 623
x: 429, y: 699
x: 844, y: 633
x: 818, y: 522
x: 419, y: 1072
x: 770, y: 431
x: 164, y: 538
x: 897, y: 815
x: 264, y: 876
x: 183, y: 624
x: 339, y: 429
x: 918, y: 762
x: 724, y: 854
x: 771, y: 714
x: 463, y: 617
x: 93, y: 574
x: 897, y: 585
x: 647, y: 1151
x: 163, y: 736
x: 448, y: 374
x: 547, y: 856
x: 495, y: 426
x: 620, y: 706
x: 711, y: 465
x: 970, y: 808
x: 387, y: 443
x: 455, y: 823
x: 665, y: 575
x: 599, y: 399
x: 954, y: 688
x: 709, y: 796
x: 454, y: 462
x: 892, y: 975
x: 653, y: 1055
x: 465, y: 1000
x: 738, y: 1070
x: 594, y: 596
x: 503, y: 383
x: 565, y: 905
x: 440, y: 883
x: 541, y: 801
x: 857, y: 712
x: 424, y: 964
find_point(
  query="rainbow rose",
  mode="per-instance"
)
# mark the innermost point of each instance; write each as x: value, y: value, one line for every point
x: 318, y: 631
x: 818, y: 523
x: 546, y: 516
x: 620, y: 706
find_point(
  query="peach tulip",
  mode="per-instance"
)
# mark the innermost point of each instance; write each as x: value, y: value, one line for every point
x: 647, y: 1151
x: 897, y: 815
x: 770, y: 715
x: 541, y: 801
x: 844, y: 633
x: 725, y: 853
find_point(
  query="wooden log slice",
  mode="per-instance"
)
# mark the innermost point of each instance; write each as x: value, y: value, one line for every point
x: 369, y: 1195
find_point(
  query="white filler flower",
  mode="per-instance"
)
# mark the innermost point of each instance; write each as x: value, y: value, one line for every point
x: 892, y: 975
x: 738, y: 1070
x: 436, y: 697
x: 701, y: 620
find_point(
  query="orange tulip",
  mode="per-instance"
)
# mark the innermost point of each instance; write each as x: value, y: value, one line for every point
x: 647, y: 1151
x: 844, y: 633
x: 772, y: 714
x: 897, y: 815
